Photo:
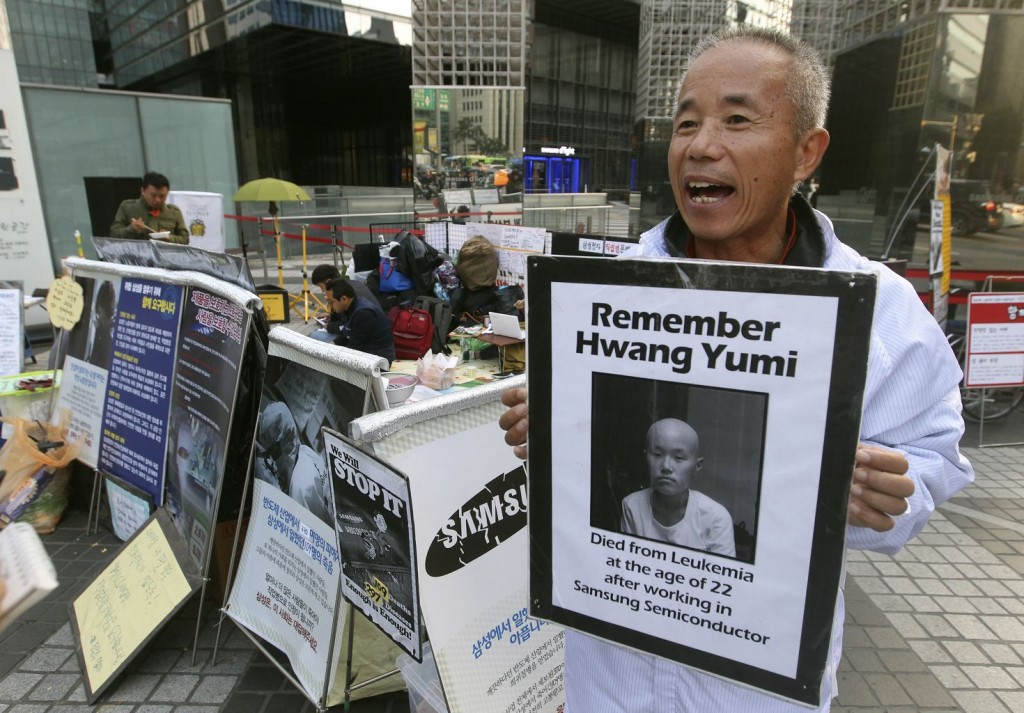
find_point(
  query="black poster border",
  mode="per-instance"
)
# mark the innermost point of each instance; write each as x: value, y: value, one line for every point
x: 855, y: 292
x: 370, y: 615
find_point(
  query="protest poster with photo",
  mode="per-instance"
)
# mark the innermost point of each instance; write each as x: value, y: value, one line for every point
x: 693, y: 427
x: 286, y: 589
x: 134, y: 435
x: 375, y: 538
x: 472, y: 554
x: 211, y: 342
x: 87, y: 349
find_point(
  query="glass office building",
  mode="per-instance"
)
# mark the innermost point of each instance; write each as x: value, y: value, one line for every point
x: 949, y: 78
x: 320, y: 90
x: 53, y: 41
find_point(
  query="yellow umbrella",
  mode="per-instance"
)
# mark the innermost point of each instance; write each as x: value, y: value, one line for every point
x: 273, y: 190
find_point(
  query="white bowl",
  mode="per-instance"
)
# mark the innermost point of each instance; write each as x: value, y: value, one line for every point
x: 400, y: 387
x: 163, y: 235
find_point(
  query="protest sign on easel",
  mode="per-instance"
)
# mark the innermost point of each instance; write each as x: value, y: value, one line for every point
x: 147, y: 582
x: 286, y: 592
x: 663, y: 387
x: 373, y: 519
x: 471, y: 550
x: 153, y: 339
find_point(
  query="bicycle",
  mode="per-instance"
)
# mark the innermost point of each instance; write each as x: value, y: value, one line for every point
x: 980, y: 403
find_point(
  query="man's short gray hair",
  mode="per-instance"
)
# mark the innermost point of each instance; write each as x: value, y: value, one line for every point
x: 807, y: 85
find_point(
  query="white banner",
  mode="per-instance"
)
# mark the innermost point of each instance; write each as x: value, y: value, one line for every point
x: 204, y: 218
x: 24, y: 244
x: 287, y: 585
x: 471, y: 542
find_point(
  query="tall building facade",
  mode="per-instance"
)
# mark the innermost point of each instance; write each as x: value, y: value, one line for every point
x: 933, y: 73
x: 53, y: 41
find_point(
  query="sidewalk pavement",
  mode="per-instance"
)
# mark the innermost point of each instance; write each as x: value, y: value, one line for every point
x: 937, y: 628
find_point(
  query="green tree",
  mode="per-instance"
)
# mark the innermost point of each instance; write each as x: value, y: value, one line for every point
x: 465, y: 131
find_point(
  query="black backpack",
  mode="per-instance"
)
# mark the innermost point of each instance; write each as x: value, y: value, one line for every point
x: 441, y: 312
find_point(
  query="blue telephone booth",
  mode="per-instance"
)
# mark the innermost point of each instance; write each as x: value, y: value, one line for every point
x: 553, y: 174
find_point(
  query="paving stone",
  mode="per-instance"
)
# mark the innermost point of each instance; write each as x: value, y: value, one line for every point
x: 175, y: 688
x: 956, y: 605
x: 234, y: 662
x: 77, y: 694
x: 214, y: 689
x: 947, y: 572
x: 864, y: 661
x: 965, y: 652
x: 979, y: 702
x: 156, y: 708
x: 989, y: 677
x: 243, y: 703
x: 262, y: 678
x: 923, y: 604
x: 952, y: 677
x: 936, y: 626
x: 873, y: 585
x: 28, y: 708
x: 73, y: 708
x: 970, y: 627
x: 907, y: 625
x: 933, y: 587
x: 918, y: 571
x: 156, y: 661
x: 62, y: 637
x: 887, y: 689
x: 53, y: 687
x: 891, y: 603
x: 1008, y: 628
x: 930, y: 651
x: 926, y: 692
x: 17, y: 685
x: 1014, y: 700
x: 902, y: 662
x: 886, y: 638
x: 133, y: 687
x: 1001, y: 654
x: 286, y: 703
x: 1012, y: 605
x: 855, y: 637
x: 46, y: 659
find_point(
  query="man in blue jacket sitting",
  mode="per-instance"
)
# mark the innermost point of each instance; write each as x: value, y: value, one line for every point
x: 366, y: 328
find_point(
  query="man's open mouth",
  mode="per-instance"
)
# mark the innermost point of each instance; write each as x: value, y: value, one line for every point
x: 701, y: 192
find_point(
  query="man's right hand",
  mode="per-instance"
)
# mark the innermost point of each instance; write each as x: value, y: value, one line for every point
x: 515, y: 422
x: 137, y: 224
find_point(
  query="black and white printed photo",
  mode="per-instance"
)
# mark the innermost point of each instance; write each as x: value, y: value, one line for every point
x: 677, y: 463
x: 297, y: 403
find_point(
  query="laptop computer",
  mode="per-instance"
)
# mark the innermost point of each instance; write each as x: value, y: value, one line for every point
x: 506, y: 325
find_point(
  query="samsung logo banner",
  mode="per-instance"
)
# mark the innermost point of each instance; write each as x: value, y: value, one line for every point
x: 486, y: 520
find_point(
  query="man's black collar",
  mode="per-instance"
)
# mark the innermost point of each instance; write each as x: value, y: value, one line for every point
x: 808, y: 249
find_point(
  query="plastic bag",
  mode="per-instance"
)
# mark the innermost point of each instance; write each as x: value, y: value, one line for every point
x: 436, y: 371
x: 24, y: 466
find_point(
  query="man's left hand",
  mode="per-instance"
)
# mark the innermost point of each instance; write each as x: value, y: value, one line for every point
x: 880, y: 488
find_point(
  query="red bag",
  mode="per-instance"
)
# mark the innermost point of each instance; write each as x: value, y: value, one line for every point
x: 413, y: 330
